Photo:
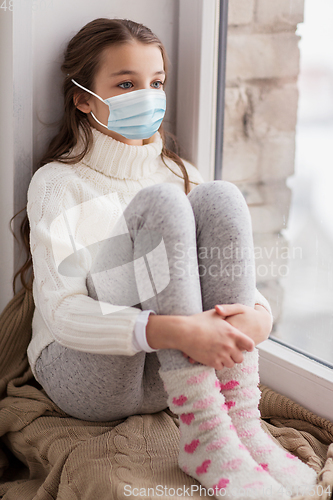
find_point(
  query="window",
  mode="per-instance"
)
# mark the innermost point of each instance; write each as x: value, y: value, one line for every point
x: 307, y: 317
x: 304, y: 370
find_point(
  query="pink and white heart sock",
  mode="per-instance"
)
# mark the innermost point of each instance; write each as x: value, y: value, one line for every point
x: 209, y: 449
x: 239, y: 385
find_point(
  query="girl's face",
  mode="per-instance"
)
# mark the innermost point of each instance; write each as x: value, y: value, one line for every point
x: 124, y: 68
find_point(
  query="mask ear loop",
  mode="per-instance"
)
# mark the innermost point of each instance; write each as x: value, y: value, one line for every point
x: 98, y: 97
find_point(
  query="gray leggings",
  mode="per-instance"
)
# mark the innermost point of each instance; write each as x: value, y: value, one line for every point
x: 207, y: 237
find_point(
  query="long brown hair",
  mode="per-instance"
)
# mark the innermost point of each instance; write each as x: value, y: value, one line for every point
x: 82, y: 59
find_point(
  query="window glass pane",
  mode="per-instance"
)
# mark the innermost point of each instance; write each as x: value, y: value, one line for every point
x: 307, y: 317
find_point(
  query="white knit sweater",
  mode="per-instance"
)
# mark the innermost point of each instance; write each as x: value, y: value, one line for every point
x: 70, y: 207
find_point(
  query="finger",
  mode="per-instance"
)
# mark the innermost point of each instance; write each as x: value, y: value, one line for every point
x: 220, y: 311
x: 245, y: 343
x: 229, y: 309
x: 237, y: 357
x: 228, y: 362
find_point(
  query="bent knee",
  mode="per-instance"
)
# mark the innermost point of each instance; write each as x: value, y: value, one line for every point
x: 164, y: 188
x: 219, y: 186
x: 224, y: 190
x: 166, y: 196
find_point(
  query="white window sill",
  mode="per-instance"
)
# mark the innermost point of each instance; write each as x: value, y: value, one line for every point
x: 294, y: 375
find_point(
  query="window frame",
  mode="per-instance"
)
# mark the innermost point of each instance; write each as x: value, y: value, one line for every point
x: 198, y: 68
x: 304, y: 380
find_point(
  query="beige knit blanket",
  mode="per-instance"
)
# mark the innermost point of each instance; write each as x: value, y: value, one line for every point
x: 45, y: 454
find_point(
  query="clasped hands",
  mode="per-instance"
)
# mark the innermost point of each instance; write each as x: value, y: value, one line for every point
x: 256, y: 323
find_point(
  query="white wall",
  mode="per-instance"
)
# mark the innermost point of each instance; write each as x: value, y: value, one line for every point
x: 6, y: 157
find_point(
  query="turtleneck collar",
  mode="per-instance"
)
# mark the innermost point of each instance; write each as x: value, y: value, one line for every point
x: 122, y: 161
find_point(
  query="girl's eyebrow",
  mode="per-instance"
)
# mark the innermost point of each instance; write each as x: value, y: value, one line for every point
x: 130, y: 72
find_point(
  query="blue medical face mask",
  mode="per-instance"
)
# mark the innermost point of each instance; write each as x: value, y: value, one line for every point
x: 135, y: 115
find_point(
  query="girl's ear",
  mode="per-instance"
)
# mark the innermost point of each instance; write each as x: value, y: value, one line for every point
x: 81, y: 102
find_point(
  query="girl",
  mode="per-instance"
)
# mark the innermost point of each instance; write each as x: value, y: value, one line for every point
x: 145, y: 294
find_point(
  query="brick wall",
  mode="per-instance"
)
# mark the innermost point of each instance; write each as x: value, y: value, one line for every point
x: 260, y: 122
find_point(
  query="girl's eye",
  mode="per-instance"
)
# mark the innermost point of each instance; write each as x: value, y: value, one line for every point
x: 157, y: 85
x: 126, y: 85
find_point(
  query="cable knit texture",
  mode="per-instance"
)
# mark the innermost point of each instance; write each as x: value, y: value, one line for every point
x: 71, y: 207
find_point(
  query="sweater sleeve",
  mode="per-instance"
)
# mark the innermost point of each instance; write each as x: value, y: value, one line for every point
x: 262, y: 301
x: 56, y: 213
x: 140, y: 336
